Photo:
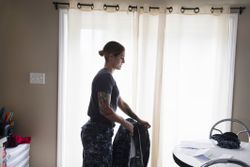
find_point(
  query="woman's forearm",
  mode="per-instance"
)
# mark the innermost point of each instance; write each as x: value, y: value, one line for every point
x: 112, y: 116
x: 127, y: 110
x: 107, y: 111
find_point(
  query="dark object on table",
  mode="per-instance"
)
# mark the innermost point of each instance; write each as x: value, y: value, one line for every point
x: 227, y: 140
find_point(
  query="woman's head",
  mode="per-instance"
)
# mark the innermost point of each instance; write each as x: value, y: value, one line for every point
x: 114, y: 54
x: 113, y: 48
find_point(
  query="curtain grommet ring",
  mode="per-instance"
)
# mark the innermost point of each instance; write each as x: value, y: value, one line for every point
x: 196, y: 10
x: 105, y: 7
x: 79, y: 6
x: 212, y: 9
x: 170, y: 9
x: 117, y: 7
x: 131, y: 8
x: 182, y: 10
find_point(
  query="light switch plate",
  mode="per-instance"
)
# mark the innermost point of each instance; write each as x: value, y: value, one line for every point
x: 37, y: 78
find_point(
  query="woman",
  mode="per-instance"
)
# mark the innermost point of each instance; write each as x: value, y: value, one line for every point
x: 98, y: 131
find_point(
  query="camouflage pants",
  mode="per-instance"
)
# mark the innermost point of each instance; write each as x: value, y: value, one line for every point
x: 97, y: 145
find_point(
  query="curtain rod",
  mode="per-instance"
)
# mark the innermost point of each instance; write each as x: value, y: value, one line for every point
x: 134, y: 8
x: 239, y: 8
x: 59, y: 3
x: 79, y: 5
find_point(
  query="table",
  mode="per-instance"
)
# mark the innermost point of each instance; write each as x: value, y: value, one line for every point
x: 186, y: 155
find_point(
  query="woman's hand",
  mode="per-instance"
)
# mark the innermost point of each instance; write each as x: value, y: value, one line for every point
x: 144, y: 123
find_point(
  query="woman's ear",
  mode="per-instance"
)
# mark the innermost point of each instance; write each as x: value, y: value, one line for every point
x: 110, y: 56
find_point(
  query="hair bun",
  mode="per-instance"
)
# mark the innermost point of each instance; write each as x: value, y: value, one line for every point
x: 101, y: 53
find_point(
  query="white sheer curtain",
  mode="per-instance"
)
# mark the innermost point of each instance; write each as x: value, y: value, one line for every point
x: 197, y: 82
x: 178, y: 74
x: 85, y: 33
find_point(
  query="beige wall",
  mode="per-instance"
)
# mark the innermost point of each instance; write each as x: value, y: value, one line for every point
x: 1, y: 50
x: 28, y: 43
x: 241, y: 106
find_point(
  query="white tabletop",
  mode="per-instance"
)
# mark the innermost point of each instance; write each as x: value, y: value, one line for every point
x: 197, y: 153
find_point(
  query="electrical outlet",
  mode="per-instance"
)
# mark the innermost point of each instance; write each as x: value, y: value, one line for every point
x: 37, y: 78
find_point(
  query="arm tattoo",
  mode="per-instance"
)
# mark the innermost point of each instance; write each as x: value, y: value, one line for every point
x: 104, y: 103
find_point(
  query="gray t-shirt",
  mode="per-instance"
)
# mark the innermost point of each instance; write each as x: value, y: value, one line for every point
x: 103, y: 82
